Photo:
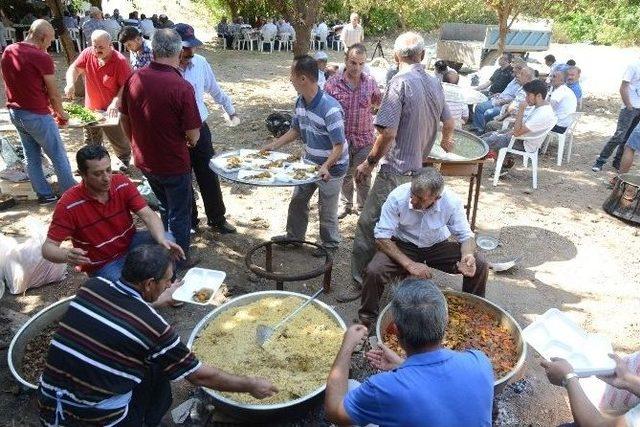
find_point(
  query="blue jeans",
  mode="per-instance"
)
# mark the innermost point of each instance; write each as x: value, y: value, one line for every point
x: 113, y: 270
x: 483, y: 113
x: 174, y: 192
x: 627, y: 121
x: 39, y: 132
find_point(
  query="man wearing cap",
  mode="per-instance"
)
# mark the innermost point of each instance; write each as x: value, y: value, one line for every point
x: 139, y: 49
x: 196, y: 70
x: 321, y: 59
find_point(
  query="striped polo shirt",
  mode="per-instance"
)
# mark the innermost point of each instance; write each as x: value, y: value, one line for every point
x: 104, y: 230
x: 101, y: 350
x: 413, y: 104
x: 321, y: 126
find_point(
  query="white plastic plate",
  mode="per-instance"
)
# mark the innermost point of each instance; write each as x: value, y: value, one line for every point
x: 554, y: 334
x: 196, y: 279
x: 248, y: 175
x: 221, y: 162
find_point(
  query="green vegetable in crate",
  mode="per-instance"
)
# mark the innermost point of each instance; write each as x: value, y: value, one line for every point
x: 79, y: 112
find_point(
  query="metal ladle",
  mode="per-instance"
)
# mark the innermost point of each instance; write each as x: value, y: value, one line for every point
x: 264, y: 333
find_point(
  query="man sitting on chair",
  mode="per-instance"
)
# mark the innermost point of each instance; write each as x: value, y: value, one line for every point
x: 539, y: 119
x: 562, y: 100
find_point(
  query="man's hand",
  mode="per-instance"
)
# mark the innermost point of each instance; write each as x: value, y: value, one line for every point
x: 620, y: 375
x: 69, y: 91
x: 176, y: 251
x: 557, y: 369
x: 363, y: 171
x: 523, y: 105
x: 419, y: 269
x: 324, y: 173
x: 76, y: 256
x: 262, y: 388
x: 112, y: 109
x: 166, y: 297
x: 354, y: 336
x: 270, y: 145
x: 467, y: 265
x: 383, y: 358
x: 447, y: 145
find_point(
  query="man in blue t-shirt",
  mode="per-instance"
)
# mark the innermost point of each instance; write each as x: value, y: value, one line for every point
x: 319, y: 122
x: 433, y: 386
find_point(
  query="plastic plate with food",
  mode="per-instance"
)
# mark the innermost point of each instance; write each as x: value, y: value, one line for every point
x: 200, y: 285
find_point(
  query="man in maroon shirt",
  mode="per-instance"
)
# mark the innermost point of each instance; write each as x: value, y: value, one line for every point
x: 30, y: 82
x: 105, y: 70
x: 160, y: 116
x: 96, y: 216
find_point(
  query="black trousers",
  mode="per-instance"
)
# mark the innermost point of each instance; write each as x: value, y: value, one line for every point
x: 150, y: 401
x: 207, y: 180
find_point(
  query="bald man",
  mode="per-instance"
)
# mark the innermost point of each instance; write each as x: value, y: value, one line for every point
x: 32, y: 95
x: 105, y: 71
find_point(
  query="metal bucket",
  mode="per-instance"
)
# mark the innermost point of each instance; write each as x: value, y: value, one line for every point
x: 624, y: 201
x: 30, y: 330
x: 480, y: 303
x: 252, y: 412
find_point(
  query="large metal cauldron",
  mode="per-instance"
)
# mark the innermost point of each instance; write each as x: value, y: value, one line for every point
x: 256, y: 413
x: 30, y: 330
x: 480, y: 304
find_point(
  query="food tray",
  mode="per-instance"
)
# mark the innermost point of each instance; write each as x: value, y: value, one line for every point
x: 554, y: 334
x: 196, y: 279
x: 281, y: 176
x: 251, y: 175
x: 467, y: 147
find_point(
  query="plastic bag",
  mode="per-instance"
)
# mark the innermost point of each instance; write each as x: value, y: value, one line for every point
x: 147, y: 193
x: 23, y: 266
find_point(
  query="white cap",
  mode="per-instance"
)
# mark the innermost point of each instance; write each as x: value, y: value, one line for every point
x: 320, y: 56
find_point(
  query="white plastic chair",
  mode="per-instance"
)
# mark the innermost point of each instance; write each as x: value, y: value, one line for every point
x: 285, y: 39
x: 224, y: 42
x: 74, y: 33
x: 271, y: 41
x: 526, y: 156
x: 321, y: 42
x: 10, y: 34
x: 566, y: 137
x: 336, y: 43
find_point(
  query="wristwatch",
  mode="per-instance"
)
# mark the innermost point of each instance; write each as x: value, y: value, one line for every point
x: 569, y: 376
x: 371, y: 160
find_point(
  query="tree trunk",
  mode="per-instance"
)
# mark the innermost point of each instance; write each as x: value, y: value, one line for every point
x: 503, y: 29
x: 303, y: 37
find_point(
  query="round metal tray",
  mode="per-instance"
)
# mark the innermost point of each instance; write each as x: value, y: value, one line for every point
x: 461, y: 136
x: 480, y: 303
x: 30, y: 330
x: 269, y: 411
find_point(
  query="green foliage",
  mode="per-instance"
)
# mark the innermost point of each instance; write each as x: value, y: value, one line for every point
x: 380, y: 20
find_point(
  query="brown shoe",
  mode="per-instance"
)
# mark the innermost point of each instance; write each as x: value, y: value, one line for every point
x: 350, y: 293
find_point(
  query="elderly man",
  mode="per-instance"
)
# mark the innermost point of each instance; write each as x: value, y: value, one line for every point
x: 562, y: 100
x: 352, y: 33
x: 160, y: 116
x: 95, y: 22
x: 30, y: 83
x: 522, y: 77
x: 112, y: 26
x: 321, y: 58
x: 458, y: 109
x: 96, y: 216
x: 433, y: 386
x: 139, y: 48
x: 269, y: 31
x: 627, y: 119
x: 196, y: 70
x: 412, y: 237
x: 489, y: 109
x: 573, y: 81
x: 319, y: 122
x: 500, y: 77
x: 624, y: 381
x: 358, y: 94
x: 113, y: 356
x: 105, y: 70
x: 407, y: 122
x: 146, y: 26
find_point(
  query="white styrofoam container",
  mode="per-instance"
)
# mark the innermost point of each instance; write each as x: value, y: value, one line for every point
x: 554, y: 334
x: 196, y: 279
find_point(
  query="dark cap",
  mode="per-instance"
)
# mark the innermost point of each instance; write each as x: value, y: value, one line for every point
x: 187, y: 34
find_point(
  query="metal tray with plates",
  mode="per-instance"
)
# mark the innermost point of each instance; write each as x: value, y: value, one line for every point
x: 262, y: 413
x: 236, y: 175
x: 480, y: 303
x: 467, y: 148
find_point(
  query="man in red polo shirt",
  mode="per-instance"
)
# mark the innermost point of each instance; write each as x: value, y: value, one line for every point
x: 160, y: 116
x: 105, y: 70
x: 96, y: 216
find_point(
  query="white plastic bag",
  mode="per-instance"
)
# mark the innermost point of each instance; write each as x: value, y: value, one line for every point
x: 23, y: 266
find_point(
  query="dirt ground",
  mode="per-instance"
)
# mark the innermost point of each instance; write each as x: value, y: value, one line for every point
x: 574, y: 256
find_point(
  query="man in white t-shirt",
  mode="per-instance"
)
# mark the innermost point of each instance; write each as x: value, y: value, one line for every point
x: 352, y: 33
x: 540, y: 119
x: 268, y: 32
x: 562, y: 100
x: 627, y: 120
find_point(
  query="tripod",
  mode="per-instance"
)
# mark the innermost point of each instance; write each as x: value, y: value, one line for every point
x: 377, y: 50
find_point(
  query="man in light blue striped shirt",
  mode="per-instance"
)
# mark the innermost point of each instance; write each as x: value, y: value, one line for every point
x: 319, y: 122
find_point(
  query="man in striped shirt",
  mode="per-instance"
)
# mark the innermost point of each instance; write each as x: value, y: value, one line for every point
x: 96, y: 216
x: 319, y: 123
x: 112, y: 357
x: 407, y: 122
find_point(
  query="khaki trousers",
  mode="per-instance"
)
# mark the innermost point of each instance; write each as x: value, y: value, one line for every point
x: 119, y: 141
